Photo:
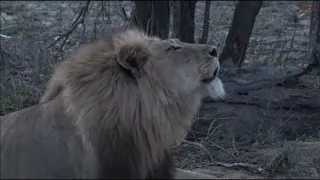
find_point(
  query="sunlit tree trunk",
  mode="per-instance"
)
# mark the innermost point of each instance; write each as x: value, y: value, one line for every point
x: 237, y: 41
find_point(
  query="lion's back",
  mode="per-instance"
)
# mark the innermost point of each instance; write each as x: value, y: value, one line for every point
x: 35, y: 145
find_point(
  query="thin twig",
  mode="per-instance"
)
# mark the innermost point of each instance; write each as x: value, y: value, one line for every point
x: 200, y: 146
x: 124, y: 15
x: 290, y: 48
x: 4, y: 19
x: 79, y: 20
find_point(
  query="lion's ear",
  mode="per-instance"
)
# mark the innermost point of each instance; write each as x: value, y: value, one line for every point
x: 133, y: 58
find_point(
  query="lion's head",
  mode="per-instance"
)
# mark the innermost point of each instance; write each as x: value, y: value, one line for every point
x: 177, y: 66
x: 181, y: 67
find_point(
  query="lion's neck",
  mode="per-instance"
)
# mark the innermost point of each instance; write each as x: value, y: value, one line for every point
x: 148, y: 107
x: 150, y: 115
x: 172, y: 113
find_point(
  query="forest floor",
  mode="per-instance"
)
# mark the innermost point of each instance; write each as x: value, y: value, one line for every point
x: 266, y: 132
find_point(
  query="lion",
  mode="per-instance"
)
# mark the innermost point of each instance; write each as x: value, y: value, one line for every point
x: 113, y: 109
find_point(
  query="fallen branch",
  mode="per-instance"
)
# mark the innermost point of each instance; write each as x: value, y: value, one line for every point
x: 288, y: 103
x: 245, y: 166
x: 5, y: 36
x: 244, y: 80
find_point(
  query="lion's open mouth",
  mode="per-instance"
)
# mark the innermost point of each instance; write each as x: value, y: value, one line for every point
x: 210, y: 79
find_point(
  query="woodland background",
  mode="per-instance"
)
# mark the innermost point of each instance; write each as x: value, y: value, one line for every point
x: 269, y: 126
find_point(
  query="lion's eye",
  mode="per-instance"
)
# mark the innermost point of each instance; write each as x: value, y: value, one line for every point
x: 175, y: 48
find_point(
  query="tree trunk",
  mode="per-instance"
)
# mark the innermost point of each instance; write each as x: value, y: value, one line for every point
x: 153, y: 17
x: 175, y: 18
x: 237, y: 41
x: 186, y: 25
x: 206, y: 19
x: 314, y: 34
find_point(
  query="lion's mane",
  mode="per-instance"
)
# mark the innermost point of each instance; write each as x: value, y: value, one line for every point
x: 129, y: 123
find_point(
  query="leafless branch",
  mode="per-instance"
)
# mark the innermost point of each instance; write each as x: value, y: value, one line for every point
x: 4, y: 36
x: 124, y: 14
x: 4, y: 19
x: 79, y: 20
x: 134, y: 19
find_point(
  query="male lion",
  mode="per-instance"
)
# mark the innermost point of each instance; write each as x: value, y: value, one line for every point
x: 114, y: 109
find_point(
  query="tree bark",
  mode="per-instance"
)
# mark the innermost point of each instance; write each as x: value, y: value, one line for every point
x: 244, y: 80
x: 153, y: 17
x: 186, y: 25
x: 237, y: 41
x: 206, y: 19
x: 314, y: 34
x: 175, y: 18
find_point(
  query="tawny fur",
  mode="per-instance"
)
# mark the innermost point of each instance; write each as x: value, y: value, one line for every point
x: 107, y: 107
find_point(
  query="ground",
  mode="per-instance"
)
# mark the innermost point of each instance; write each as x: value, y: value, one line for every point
x: 275, y: 161
x: 273, y: 128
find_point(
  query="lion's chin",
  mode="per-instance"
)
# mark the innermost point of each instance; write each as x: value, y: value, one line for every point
x: 216, y: 89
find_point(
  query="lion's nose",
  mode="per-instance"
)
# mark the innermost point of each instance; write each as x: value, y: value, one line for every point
x: 213, y: 52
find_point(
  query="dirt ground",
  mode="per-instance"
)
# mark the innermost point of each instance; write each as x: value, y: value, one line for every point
x: 228, y: 140
x: 299, y: 160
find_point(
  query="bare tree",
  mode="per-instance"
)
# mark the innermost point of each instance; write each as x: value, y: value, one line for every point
x: 153, y: 17
x: 314, y: 34
x: 206, y: 18
x: 237, y: 41
x: 186, y: 25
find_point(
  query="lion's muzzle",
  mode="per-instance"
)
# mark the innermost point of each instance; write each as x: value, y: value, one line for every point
x: 210, y: 79
x: 217, y: 90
